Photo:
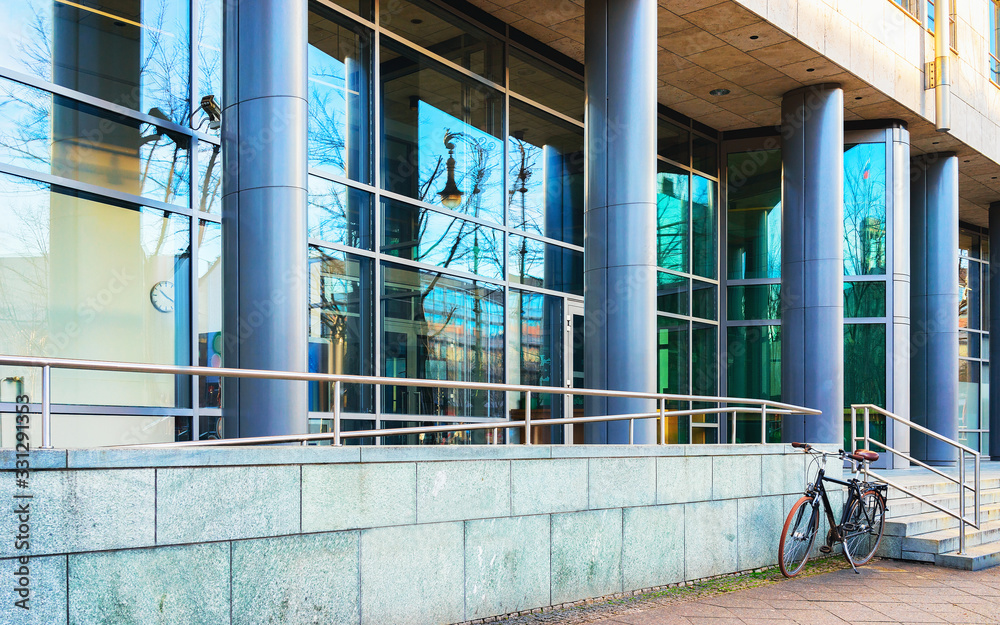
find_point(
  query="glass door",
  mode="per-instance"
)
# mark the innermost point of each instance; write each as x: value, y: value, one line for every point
x: 574, y: 342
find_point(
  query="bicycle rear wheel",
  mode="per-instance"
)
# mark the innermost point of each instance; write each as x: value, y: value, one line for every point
x: 864, y: 526
x: 797, y: 536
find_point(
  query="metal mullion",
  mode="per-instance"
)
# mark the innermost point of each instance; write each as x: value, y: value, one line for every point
x: 541, y: 107
x: 392, y: 195
x: 753, y: 323
x: 668, y: 161
x: 450, y: 65
x: 329, y: 4
x: 194, y: 196
x: 505, y: 236
x: 376, y: 100
x: 98, y: 410
x: 517, y: 286
x: 193, y: 298
x: 210, y: 217
x: 343, y: 180
x: 447, y: 271
x: 521, y: 48
x: 339, y: 247
x: 752, y: 282
x: 864, y: 320
x: 488, y: 30
x: 868, y: 278
x: 93, y: 189
x: 78, y: 96
x: 544, y: 239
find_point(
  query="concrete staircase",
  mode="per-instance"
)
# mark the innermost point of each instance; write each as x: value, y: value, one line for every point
x: 917, y: 531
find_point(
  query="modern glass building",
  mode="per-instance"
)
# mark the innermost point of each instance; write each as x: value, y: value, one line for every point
x: 716, y: 197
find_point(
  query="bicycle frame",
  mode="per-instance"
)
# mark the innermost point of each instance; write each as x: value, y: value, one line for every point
x: 818, y: 491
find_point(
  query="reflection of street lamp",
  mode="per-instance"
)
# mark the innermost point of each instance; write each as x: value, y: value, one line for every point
x: 451, y: 195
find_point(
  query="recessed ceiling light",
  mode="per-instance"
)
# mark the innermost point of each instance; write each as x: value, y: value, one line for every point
x: 857, y: 97
x: 754, y: 37
x: 966, y: 161
x: 719, y: 92
x: 416, y: 20
x: 935, y: 142
x: 993, y: 178
x: 811, y: 69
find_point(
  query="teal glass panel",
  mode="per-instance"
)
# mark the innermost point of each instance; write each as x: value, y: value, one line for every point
x: 545, y: 84
x: 673, y: 353
x: 704, y: 359
x: 439, y: 327
x: 341, y: 327
x: 135, y: 54
x: 864, y: 299
x: 704, y: 300
x: 339, y: 214
x: 672, y: 142
x: 754, y: 302
x: 705, y: 225
x: 672, y: 216
x: 864, y: 209
x: 545, y: 265
x: 864, y: 374
x: 968, y: 395
x: 535, y: 353
x: 753, y: 246
x: 545, y: 170
x: 705, y: 155
x: 340, y: 86
x: 56, y: 135
x: 672, y: 293
x: 753, y: 370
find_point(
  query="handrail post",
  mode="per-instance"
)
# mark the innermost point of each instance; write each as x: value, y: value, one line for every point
x: 854, y: 426
x: 336, y: 413
x: 868, y: 445
x: 663, y: 422
x: 527, y: 417
x: 46, y: 407
x: 961, y: 499
x: 976, y: 485
x: 763, y: 424
x: 631, y: 431
x: 733, y: 433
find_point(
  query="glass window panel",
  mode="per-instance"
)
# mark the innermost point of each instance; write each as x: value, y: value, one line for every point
x: 705, y: 155
x: 81, y: 277
x: 439, y: 327
x: 52, y: 134
x: 673, y: 346
x: 209, y: 191
x: 753, y: 302
x: 968, y: 344
x: 984, y: 395
x: 325, y: 426
x: 968, y: 395
x: 969, y: 294
x: 986, y: 346
x: 440, y: 31
x: 209, y: 50
x: 705, y: 224
x: 864, y: 299
x: 704, y: 300
x: 431, y: 116
x: 546, y: 170
x: 672, y: 142
x: 864, y: 209
x: 968, y: 244
x: 339, y: 214
x: 671, y: 293
x: 864, y: 372
x: 135, y: 54
x: 672, y: 217
x: 536, y: 263
x: 551, y: 87
x: 210, y: 339
x: 339, y: 95
x: 985, y: 298
x: 362, y: 8
x: 535, y: 354
x: 463, y: 437
x: 753, y: 188
x: 340, y: 327
x: 984, y: 245
x: 753, y: 359
x: 704, y: 359
x: 420, y: 234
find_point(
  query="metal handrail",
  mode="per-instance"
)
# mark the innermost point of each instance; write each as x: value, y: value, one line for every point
x: 961, y: 517
x: 757, y: 406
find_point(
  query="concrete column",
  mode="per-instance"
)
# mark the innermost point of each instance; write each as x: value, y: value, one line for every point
x: 898, y: 210
x: 812, y: 262
x: 934, y: 302
x: 620, y: 218
x: 264, y: 213
x: 994, y: 355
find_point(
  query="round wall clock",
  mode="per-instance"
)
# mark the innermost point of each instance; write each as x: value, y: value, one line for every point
x: 162, y: 296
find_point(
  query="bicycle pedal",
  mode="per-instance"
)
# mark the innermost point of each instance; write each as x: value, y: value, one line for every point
x: 825, y: 549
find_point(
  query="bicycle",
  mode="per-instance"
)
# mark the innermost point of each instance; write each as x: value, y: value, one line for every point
x: 862, y: 520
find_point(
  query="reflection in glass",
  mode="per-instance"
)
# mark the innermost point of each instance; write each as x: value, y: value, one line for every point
x: 339, y: 95
x: 209, y: 51
x: 340, y: 327
x: 704, y: 221
x: 462, y: 437
x: 864, y: 299
x: 672, y: 142
x: 420, y: 234
x: 441, y: 129
x: 339, y: 214
x: 671, y: 293
x: 969, y: 344
x: 535, y: 357
x: 753, y: 196
x: 704, y: 300
x: 84, y: 278
x: 209, y: 191
x: 210, y: 341
x: 673, y: 352
x: 134, y: 53
x: 754, y: 371
x: 968, y: 294
x: 864, y: 373
x: 705, y: 155
x: 443, y: 33
x: 704, y: 359
x: 551, y: 87
x: 968, y: 395
x: 672, y: 214
x: 541, y: 264
x: 545, y: 170
x: 441, y: 328
x: 754, y: 302
x: 53, y: 134
x: 864, y: 209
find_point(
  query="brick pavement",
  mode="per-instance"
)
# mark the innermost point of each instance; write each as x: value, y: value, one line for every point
x: 887, y: 591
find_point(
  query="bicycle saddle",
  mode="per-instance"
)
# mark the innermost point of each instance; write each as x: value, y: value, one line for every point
x: 862, y: 455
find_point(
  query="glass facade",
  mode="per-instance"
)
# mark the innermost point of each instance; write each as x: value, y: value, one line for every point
x: 973, y: 338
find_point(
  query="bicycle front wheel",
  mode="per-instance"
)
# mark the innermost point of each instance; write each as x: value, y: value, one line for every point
x: 863, y: 530
x: 797, y: 536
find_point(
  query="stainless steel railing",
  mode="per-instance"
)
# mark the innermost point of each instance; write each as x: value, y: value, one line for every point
x: 962, y: 450
x: 753, y: 406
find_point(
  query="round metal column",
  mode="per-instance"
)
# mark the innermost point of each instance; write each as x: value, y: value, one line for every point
x: 812, y: 262
x: 264, y: 213
x: 620, y: 220
x: 934, y: 304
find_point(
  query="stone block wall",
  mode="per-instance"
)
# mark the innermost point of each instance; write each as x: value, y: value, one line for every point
x: 378, y: 535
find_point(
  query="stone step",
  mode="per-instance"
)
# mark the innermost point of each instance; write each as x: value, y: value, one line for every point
x: 941, y: 486
x: 935, y: 520
x: 908, y: 506
x: 945, y: 541
x: 974, y: 558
